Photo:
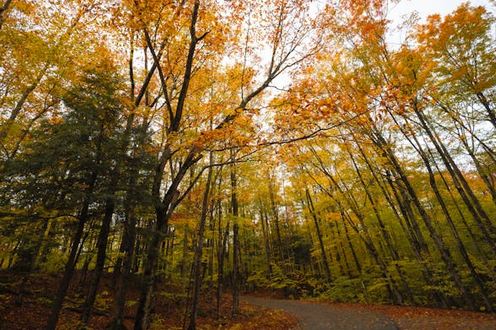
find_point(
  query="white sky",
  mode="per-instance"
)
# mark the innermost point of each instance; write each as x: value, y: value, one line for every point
x: 398, y: 14
x: 428, y: 7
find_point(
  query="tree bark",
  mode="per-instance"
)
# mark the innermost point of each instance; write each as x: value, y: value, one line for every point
x: 235, y: 213
x: 197, y: 269
x: 311, y: 208
x: 3, y: 11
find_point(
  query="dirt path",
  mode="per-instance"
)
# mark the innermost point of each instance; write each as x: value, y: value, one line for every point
x: 315, y: 316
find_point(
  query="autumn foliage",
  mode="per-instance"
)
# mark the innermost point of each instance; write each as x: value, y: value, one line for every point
x: 199, y: 148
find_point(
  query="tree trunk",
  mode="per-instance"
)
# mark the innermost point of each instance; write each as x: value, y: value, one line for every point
x: 311, y: 208
x: 100, y: 260
x: 437, y: 239
x: 3, y: 11
x: 142, y: 317
x: 266, y: 238
x: 71, y: 262
x: 480, y: 216
x: 235, y: 213
x: 197, y: 269
x: 74, y: 252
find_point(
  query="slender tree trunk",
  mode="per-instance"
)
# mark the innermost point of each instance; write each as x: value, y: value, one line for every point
x: 221, y: 257
x: 482, y: 172
x: 485, y: 224
x: 71, y: 262
x: 437, y: 239
x: 352, y: 204
x: 235, y: 213
x: 142, y: 317
x: 74, y: 252
x: 343, y: 252
x: 409, y: 233
x: 197, y: 269
x: 385, y: 234
x: 311, y: 208
x: 275, y: 213
x: 461, y: 247
x: 490, y: 112
x: 475, y: 240
x: 5, y: 129
x: 235, y: 274
x: 265, y: 234
x: 100, y: 261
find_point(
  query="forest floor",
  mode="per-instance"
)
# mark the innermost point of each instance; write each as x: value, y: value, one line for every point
x: 322, y: 316
x: 31, y: 312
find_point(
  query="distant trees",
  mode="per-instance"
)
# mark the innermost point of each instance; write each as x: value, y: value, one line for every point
x: 399, y: 146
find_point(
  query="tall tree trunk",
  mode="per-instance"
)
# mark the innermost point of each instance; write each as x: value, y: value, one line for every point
x: 311, y: 208
x: 480, y: 216
x: 71, y: 262
x: 124, y: 269
x: 220, y: 261
x: 275, y: 213
x: 385, y: 234
x: 100, y: 261
x: 343, y: 252
x: 436, y: 238
x: 163, y: 211
x: 265, y: 233
x: 6, y: 127
x: 461, y: 247
x: 475, y: 240
x: 364, y: 232
x: 197, y: 269
x: 76, y: 240
x: 235, y: 213
x: 142, y: 317
x: 482, y: 172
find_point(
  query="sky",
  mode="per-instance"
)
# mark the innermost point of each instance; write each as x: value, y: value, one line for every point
x: 428, y: 7
x: 397, y: 14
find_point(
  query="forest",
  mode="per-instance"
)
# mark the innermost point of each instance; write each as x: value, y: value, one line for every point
x: 160, y: 159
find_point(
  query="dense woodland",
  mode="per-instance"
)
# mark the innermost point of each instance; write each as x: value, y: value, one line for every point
x: 210, y: 147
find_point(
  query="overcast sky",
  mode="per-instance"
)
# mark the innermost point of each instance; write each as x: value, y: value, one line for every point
x: 397, y: 13
x: 428, y: 7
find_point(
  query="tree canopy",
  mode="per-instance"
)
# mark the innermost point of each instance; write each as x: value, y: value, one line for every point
x: 211, y: 145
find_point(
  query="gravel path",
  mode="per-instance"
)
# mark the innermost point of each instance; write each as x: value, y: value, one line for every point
x: 315, y: 316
